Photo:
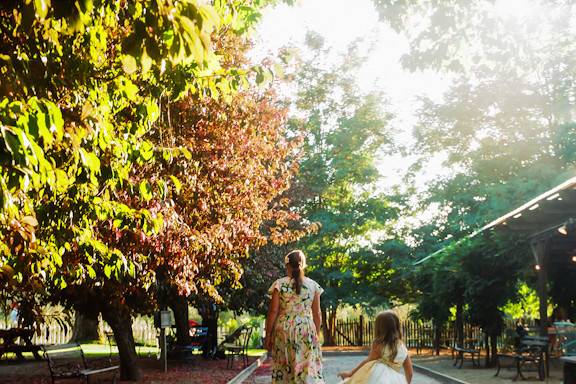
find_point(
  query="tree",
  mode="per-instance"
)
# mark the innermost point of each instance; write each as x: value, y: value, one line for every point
x: 343, y: 130
x: 241, y: 163
x: 80, y: 90
x: 504, y: 123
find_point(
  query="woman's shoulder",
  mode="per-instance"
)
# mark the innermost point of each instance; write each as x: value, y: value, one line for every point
x: 308, y: 280
x: 312, y: 284
x: 277, y: 284
x: 282, y: 280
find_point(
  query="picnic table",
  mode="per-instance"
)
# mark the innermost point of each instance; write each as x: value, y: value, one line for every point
x: 532, y: 352
x: 9, y: 344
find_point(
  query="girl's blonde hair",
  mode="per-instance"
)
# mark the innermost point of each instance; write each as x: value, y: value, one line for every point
x: 388, y: 332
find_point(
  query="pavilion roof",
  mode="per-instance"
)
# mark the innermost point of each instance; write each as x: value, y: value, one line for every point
x: 544, y: 214
x: 550, y: 210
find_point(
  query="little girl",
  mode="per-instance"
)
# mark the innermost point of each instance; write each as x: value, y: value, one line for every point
x: 387, y: 356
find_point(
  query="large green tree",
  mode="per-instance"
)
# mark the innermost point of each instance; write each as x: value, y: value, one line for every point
x: 504, y: 128
x: 344, y: 130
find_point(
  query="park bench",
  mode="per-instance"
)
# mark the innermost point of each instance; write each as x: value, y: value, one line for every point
x: 531, y: 353
x: 471, y: 349
x: 67, y: 361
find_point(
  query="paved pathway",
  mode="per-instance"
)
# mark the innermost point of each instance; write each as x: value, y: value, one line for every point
x: 333, y: 365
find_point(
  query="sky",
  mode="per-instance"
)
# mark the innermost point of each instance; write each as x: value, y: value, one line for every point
x: 340, y: 24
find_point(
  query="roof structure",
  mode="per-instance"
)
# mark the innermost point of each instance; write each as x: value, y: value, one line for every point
x: 551, y: 210
x: 551, y: 214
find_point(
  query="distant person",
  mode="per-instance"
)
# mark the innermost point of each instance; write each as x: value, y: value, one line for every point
x: 387, y: 357
x: 14, y: 314
x: 521, y: 330
x: 293, y: 325
x: 193, y: 327
x: 521, y: 333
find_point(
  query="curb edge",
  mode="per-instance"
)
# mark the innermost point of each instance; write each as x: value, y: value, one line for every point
x: 246, y: 372
x: 437, y: 375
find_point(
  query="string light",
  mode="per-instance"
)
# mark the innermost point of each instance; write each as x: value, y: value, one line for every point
x: 568, y: 226
x: 537, y: 267
x: 574, y: 259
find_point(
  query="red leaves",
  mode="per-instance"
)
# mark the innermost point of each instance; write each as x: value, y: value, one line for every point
x: 244, y: 167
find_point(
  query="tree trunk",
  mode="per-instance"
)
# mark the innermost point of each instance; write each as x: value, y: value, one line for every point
x: 120, y: 321
x: 437, y: 337
x: 459, y: 325
x: 179, y: 305
x: 85, y: 327
x: 327, y: 327
x: 494, y: 349
x: 210, y: 314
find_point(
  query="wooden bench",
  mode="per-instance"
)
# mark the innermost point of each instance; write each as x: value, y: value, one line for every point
x: 530, y: 353
x: 9, y: 344
x: 67, y: 361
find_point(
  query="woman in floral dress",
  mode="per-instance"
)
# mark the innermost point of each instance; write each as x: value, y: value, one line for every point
x: 293, y: 325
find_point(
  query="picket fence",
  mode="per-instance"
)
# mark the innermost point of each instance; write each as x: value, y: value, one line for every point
x: 416, y: 334
x: 142, y: 328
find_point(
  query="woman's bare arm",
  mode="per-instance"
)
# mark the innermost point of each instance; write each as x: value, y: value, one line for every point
x: 271, y: 318
x: 316, y: 312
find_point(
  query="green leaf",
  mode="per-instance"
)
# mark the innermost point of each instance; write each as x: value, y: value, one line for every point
x: 145, y: 190
x: 91, y: 272
x: 132, y: 269
x: 186, y: 153
x: 129, y: 89
x: 41, y: 8
x: 129, y: 64
x: 11, y: 140
x: 107, y: 271
x: 177, y: 184
x: 90, y: 160
x: 62, y: 180
x: 146, y: 151
x: 163, y: 188
x: 146, y: 61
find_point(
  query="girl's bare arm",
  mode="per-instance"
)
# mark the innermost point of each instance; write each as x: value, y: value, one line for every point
x: 375, y: 353
x: 408, y: 371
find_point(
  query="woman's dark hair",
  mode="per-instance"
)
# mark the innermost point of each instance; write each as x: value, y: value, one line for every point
x: 295, y: 259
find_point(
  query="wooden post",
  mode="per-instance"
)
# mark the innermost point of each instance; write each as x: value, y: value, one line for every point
x: 361, y: 341
x: 539, y: 250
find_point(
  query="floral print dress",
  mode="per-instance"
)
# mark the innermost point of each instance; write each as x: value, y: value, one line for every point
x: 296, y: 355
